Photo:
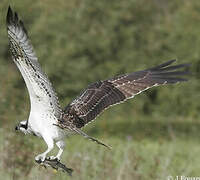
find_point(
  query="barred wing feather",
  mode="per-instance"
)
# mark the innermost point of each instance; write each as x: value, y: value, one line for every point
x: 100, y: 95
x: 39, y: 87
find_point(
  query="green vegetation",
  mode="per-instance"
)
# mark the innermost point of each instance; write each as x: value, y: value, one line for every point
x: 154, y: 135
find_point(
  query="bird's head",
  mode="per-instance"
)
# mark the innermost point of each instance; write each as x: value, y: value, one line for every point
x: 23, y: 127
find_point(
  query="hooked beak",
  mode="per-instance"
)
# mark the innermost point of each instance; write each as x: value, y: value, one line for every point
x: 17, y: 128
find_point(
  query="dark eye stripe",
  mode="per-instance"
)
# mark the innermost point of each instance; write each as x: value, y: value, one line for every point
x: 24, y: 126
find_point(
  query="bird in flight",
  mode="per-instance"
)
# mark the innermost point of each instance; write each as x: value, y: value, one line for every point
x: 52, y: 123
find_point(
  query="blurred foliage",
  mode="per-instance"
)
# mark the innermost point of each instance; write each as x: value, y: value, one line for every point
x: 16, y: 161
x: 81, y: 41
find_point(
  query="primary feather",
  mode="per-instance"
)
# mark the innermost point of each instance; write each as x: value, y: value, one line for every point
x: 102, y: 94
x: 39, y: 87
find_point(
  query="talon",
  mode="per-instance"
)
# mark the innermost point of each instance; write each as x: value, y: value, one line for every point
x: 57, y: 158
x: 52, y: 158
x: 39, y: 161
x: 40, y: 158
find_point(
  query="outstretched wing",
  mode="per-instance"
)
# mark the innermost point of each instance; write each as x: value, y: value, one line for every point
x: 100, y: 95
x: 39, y: 87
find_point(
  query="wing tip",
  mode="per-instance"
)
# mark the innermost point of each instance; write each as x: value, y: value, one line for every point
x: 9, y: 17
x: 12, y: 19
x: 167, y: 66
x: 171, y: 61
x: 163, y: 65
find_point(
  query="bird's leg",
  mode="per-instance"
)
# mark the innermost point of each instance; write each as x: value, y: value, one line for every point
x: 54, y: 161
x: 61, y: 146
x: 41, y: 157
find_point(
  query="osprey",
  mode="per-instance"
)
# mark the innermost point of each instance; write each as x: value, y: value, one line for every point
x: 47, y: 120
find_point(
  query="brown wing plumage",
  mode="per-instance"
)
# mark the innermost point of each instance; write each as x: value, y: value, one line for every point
x: 100, y: 95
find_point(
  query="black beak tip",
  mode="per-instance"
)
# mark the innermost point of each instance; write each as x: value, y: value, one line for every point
x: 16, y: 128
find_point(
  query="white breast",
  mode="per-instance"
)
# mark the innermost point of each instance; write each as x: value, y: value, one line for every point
x: 42, y: 120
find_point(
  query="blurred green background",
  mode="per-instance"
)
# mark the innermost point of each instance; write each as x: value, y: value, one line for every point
x: 78, y: 42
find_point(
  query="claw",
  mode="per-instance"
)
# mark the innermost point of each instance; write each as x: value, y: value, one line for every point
x: 39, y: 161
x: 52, y: 158
x: 40, y: 158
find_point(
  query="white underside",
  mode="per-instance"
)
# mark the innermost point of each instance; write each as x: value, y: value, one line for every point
x: 42, y: 123
x: 45, y: 107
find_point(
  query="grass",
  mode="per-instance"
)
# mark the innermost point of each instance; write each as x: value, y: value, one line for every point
x: 154, y: 150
